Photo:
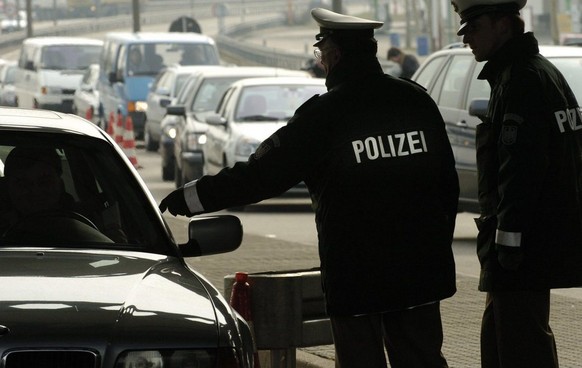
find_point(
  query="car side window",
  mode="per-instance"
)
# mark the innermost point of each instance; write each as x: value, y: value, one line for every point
x: 428, y: 73
x: 478, y: 88
x: 455, y: 81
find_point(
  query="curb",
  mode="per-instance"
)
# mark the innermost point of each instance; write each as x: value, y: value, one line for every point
x: 307, y: 360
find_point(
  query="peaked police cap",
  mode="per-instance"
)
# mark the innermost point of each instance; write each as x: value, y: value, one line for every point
x: 342, y: 26
x: 470, y: 9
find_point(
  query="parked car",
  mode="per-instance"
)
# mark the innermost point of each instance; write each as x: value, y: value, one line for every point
x: 86, y: 98
x: 201, y: 101
x: 450, y: 77
x: 100, y: 281
x: 50, y: 70
x: 131, y: 60
x: 7, y: 77
x: 162, y: 91
x: 250, y: 112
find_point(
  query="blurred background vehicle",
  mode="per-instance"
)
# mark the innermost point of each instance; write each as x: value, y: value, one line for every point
x: 131, y: 61
x: 202, y: 100
x: 450, y: 76
x: 50, y: 70
x: 86, y: 98
x: 7, y: 77
x: 163, y: 90
x: 15, y: 21
x: 251, y: 111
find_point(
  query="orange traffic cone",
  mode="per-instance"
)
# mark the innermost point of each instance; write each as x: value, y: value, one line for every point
x: 89, y: 114
x: 118, y: 131
x: 128, y: 144
x: 111, y: 124
x: 240, y: 300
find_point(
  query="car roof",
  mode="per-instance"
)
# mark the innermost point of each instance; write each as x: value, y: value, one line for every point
x: 155, y: 37
x: 546, y: 50
x: 280, y: 81
x: 45, y: 121
x: 56, y: 40
x: 190, y: 69
x: 252, y: 71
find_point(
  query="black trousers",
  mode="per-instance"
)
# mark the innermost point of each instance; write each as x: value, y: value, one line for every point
x: 412, y: 338
x: 515, y: 331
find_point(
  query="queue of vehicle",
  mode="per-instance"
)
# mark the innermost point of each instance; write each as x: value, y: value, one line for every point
x: 202, y: 99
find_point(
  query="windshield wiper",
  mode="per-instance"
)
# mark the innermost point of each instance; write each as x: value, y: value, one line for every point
x: 258, y: 118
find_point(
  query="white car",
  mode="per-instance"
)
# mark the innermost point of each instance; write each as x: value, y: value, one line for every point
x: 7, y: 75
x: 86, y: 98
x: 250, y: 111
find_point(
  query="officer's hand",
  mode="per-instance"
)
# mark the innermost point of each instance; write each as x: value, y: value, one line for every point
x: 175, y: 203
x: 509, y: 257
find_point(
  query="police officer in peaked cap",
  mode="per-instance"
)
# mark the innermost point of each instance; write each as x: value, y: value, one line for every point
x: 529, y: 159
x: 471, y: 9
x: 375, y: 157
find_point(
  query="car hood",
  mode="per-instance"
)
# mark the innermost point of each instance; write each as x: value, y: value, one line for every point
x: 259, y: 131
x: 99, y: 297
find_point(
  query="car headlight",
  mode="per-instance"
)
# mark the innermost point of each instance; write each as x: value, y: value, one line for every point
x: 170, y: 131
x: 137, y: 106
x: 203, y: 358
x: 246, y: 146
x: 195, y: 141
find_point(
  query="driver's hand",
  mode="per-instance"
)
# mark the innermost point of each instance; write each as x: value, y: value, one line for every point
x: 175, y: 203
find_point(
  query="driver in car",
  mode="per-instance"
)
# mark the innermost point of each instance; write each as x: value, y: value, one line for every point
x: 39, y: 209
x: 34, y: 183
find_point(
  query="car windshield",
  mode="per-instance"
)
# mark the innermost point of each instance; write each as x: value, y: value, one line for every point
x: 150, y: 58
x: 273, y: 103
x: 209, y: 94
x: 71, y: 191
x: 70, y: 57
x: 10, y: 74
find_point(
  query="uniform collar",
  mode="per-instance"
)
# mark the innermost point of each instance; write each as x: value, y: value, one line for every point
x: 520, y: 47
x: 352, y: 68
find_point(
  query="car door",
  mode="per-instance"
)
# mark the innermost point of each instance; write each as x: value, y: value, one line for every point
x: 465, y: 134
x: 218, y: 134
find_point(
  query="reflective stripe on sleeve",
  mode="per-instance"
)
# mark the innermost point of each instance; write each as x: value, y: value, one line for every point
x: 191, y: 197
x: 508, y: 239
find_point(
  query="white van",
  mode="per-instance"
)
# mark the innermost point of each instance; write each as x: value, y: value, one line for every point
x: 50, y: 70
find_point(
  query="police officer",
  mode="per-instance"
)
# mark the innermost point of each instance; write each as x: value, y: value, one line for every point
x: 529, y: 161
x: 375, y: 156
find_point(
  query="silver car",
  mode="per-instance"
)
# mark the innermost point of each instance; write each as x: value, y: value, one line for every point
x: 450, y: 76
x: 90, y: 275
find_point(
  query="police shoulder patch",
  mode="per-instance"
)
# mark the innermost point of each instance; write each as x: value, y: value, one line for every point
x: 509, y: 134
x: 266, y: 146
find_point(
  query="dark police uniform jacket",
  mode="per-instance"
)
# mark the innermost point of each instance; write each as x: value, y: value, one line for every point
x: 529, y: 157
x: 375, y: 157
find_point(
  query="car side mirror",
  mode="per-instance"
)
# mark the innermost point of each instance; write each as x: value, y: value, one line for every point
x: 112, y: 77
x: 29, y: 65
x: 215, y: 119
x: 209, y: 235
x: 479, y: 107
x: 164, y: 102
x: 178, y: 110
